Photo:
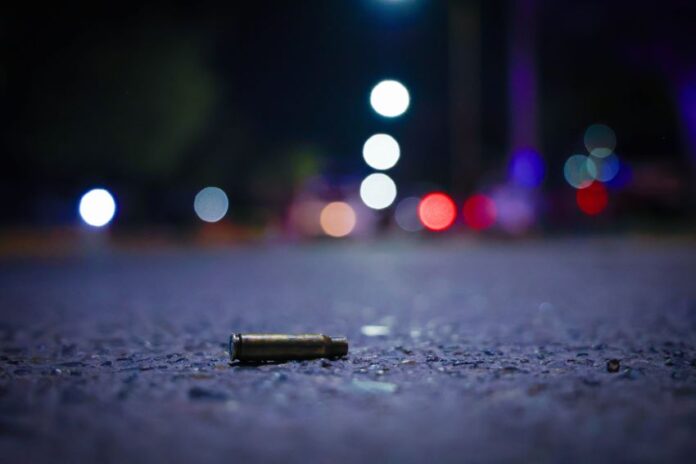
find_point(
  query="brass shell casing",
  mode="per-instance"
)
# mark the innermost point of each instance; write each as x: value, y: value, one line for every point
x: 280, y: 347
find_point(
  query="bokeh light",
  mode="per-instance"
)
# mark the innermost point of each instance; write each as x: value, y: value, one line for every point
x: 378, y: 191
x: 337, y: 219
x: 623, y: 177
x: 579, y: 171
x: 600, y: 140
x: 593, y: 199
x: 381, y: 152
x: 606, y: 168
x: 406, y: 214
x: 526, y: 168
x: 479, y: 212
x: 366, y: 219
x: 437, y: 211
x: 97, y: 207
x: 516, y: 209
x: 303, y: 216
x: 211, y: 204
x: 390, y: 98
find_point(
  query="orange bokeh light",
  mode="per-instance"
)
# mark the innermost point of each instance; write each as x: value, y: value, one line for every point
x: 337, y: 219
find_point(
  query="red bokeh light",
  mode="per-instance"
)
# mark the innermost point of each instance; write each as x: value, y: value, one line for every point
x: 437, y: 211
x: 479, y: 212
x: 593, y: 199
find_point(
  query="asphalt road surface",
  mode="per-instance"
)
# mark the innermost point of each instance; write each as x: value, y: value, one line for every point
x: 459, y: 352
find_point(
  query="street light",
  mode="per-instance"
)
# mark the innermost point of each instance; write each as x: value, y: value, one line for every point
x: 390, y: 98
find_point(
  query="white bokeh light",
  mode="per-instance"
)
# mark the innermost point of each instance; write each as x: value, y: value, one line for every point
x: 600, y: 140
x: 390, y: 98
x: 579, y: 171
x: 97, y: 207
x: 378, y: 191
x: 381, y: 152
x: 211, y: 204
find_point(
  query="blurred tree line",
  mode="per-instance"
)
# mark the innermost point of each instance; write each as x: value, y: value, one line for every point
x: 134, y: 104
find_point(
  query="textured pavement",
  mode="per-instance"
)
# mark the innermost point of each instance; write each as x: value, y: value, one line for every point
x: 489, y: 351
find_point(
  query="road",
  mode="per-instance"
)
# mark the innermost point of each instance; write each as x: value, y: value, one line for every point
x: 460, y: 351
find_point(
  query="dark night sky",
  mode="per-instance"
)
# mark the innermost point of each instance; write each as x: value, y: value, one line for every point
x: 275, y: 77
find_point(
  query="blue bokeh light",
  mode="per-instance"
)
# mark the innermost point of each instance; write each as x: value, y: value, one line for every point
x: 623, y: 177
x: 607, y: 168
x: 526, y: 168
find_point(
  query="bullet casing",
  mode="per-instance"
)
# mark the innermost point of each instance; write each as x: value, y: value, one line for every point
x: 281, y: 347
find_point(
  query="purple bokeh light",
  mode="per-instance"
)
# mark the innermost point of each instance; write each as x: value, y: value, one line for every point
x: 687, y: 104
x: 516, y: 209
x: 526, y: 168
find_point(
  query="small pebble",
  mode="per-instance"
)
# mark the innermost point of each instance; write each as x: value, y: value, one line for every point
x: 613, y: 365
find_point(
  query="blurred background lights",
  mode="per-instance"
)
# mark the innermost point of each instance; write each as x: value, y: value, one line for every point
x: 378, y: 191
x: 337, y: 219
x: 579, y: 171
x: 97, y: 207
x: 390, y: 98
x: 622, y: 178
x: 381, y: 152
x: 593, y: 199
x: 366, y: 219
x: 600, y: 140
x: 606, y: 168
x: 526, y: 168
x: 437, y: 211
x: 516, y: 211
x: 211, y: 204
x: 479, y: 212
x: 303, y: 216
x: 406, y: 214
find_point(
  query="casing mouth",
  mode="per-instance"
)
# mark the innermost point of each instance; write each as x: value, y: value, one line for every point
x: 338, y: 347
